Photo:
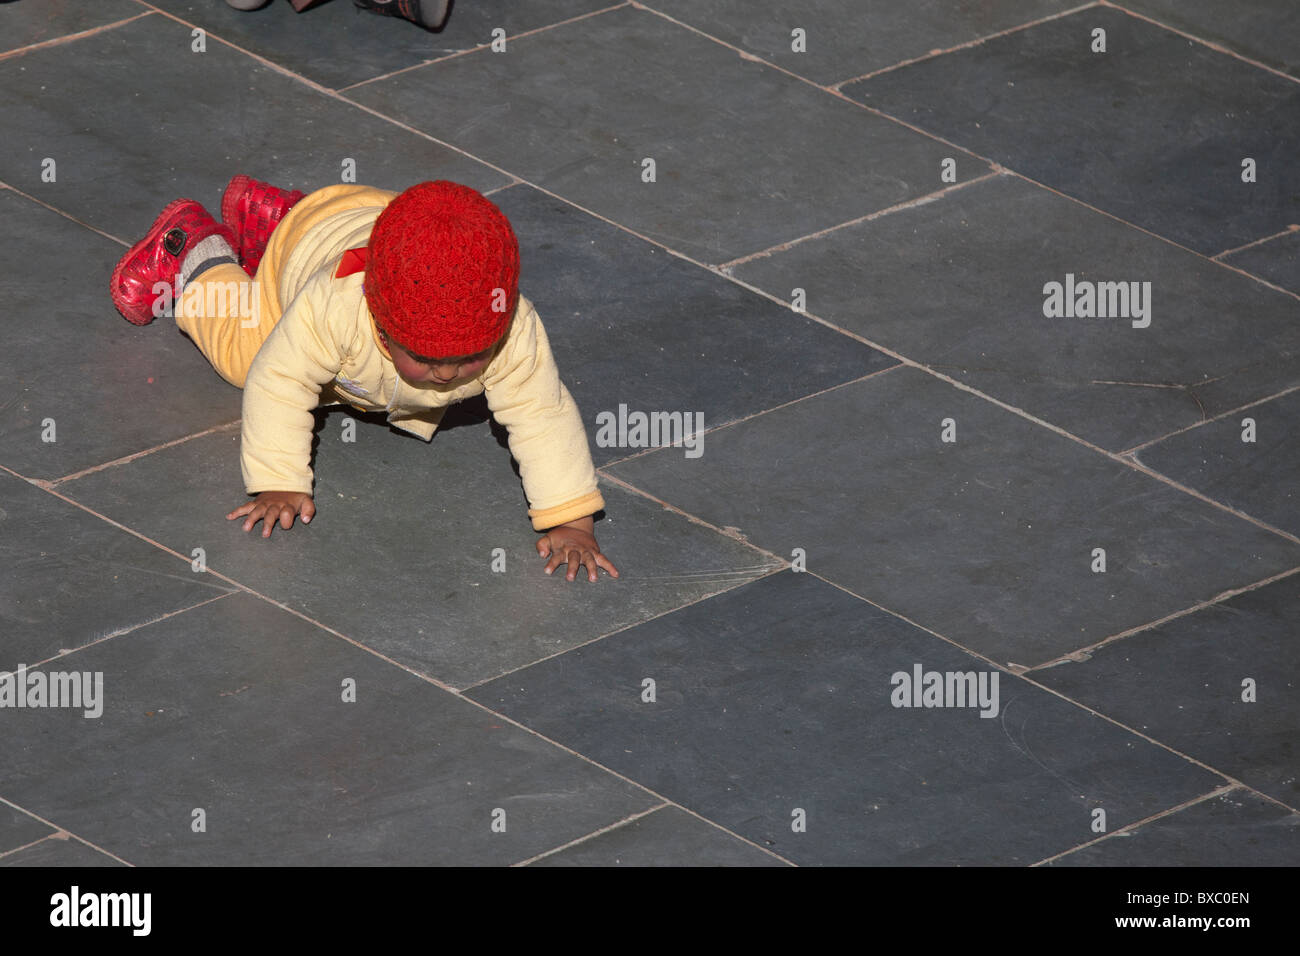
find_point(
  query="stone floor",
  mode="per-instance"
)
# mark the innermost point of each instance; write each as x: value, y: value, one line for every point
x: 920, y: 461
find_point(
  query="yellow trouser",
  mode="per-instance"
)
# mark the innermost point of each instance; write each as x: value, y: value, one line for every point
x: 229, y: 315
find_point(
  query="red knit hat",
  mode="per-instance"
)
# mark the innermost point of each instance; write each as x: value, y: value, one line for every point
x: 442, y: 276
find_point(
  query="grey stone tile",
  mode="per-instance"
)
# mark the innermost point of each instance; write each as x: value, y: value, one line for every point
x: 1154, y: 130
x: 777, y: 697
x: 65, y: 852
x: 109, y: 388
x: 1264, y: 30
x: 1184, y: 683
x: 639, y: 327
x: 1237, y: 828
x: 336, y: 44
x: 1256, y: 477
x: 40, y: 21
x: 745, y: 156
x: 400, y: 553
x: 1277, y: 260
x: 958, y: 285
x: 843, y: 40
x: 988, y: 540
x: 666, y: 837
x: 127, y: 140
x: 71, y: 578
x: 17, y: 828
x: 237, y: 709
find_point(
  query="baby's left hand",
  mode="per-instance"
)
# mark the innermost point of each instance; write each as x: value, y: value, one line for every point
x: 575, y: 543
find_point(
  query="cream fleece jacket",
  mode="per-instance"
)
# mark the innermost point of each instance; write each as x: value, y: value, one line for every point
x: 325, y: 349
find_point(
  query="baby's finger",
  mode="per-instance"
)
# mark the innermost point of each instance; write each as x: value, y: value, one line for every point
x: 254, y: 515
x: 544, y: 546
x: 558, y: 557
x: 308, y: 511
x: 589, y: 562
x: 575, y: 562
x: 243, y: 509
x: 607, y: 564
x: 286, y: 517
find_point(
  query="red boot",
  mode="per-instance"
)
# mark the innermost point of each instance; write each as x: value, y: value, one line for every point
x: 158, y: 257
x: 252, y: 209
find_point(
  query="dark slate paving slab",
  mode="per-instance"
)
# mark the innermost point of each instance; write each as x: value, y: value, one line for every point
x: 958, y: 285
x: 1264, y: 30
x: 71, y: 578
x: 236, y: 708
x: 1238, y: 828
x: 40, y: 21
x: 1256, y: 477
x: 746, y: 156
x: 400, y: 553
x: 672, y: 337
x: 110, y: 388
x: 845, y: 40
x: 1182, y: 683
x: 988, y: 540
x: 126, y: 140
x: 336, y: 44
x: 1153, y: 131
x: 777, y: 697
x: 70, y: 853
x: 17, y: 828
x: 667, y: 837
x: 1277, y: 260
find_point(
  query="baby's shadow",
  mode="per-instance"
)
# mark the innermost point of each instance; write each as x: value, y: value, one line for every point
x: 471, y: 411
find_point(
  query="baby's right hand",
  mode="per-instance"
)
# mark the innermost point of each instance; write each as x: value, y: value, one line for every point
x: 270, y: 505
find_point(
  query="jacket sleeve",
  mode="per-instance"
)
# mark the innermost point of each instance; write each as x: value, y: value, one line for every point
x: 547, y: 439
x: 298, y: 358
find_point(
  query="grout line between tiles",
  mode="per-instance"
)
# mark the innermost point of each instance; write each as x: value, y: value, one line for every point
x: 1084, y: 653
x: 1217, y: 47
x: 139, y: 454
x: 617, y: 824
x: 869, y: 217
x: 1289, y: 230
x: 481, y: 46
x: 1129, y: 828
x: 501, y: 189
x: 626, y: 627
x: 71, y: 37
x: 967, y: 44
x: 1207, y: 421
x: 68, y: 652
x: 66, y: 215
x: 1015, y: 672
x: 1155, y: 235
x: 1111, y: 720
x: 1009, y: 668
x: 28, y: 846
x: 714, y: 429
x: 61, y: 830
x: 1236, y: 512
x: 614, y: 773
x: 830, y: 90
x: 1113, y: 456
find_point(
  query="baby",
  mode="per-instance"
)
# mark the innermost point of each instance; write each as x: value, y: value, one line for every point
x: 395, y: 303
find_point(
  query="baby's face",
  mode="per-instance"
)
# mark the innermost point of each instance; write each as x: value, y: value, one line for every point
x: 453, y: 371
